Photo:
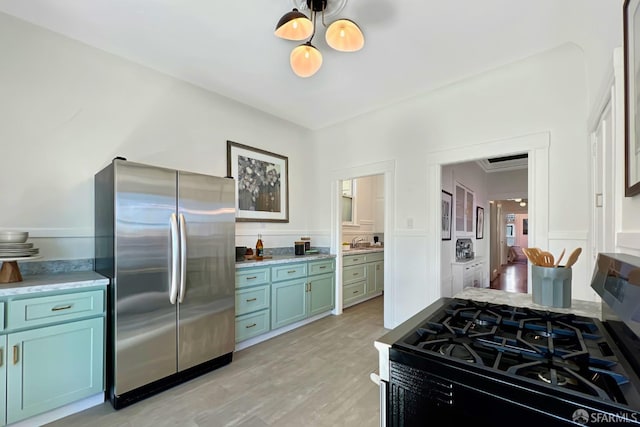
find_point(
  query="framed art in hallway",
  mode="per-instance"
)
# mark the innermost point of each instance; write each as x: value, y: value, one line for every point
x: 479, y: 222
x: 447, y: 211
x: 262, y: 183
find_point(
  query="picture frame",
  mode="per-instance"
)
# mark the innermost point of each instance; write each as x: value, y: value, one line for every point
x: 262, y: 183
x: 447, y: 213
x: 631, y: 44
x: 479, y: 222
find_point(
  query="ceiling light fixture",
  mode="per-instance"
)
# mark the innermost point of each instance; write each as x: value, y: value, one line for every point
x: 343, y: 35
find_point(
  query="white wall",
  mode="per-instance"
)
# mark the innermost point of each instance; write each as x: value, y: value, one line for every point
x: 545, y: 93
x: 67, y: 109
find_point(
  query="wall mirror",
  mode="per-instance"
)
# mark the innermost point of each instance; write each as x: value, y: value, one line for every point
x: 631, y: 24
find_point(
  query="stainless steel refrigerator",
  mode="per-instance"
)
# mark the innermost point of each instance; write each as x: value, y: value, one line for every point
x: 166, y: 239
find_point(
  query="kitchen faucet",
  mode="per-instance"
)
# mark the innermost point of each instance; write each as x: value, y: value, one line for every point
x: 355, y: 241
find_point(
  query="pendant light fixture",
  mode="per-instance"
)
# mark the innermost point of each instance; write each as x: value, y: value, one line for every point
x: 343, y: 35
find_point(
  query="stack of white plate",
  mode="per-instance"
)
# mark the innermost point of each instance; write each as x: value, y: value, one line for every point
x: 13, y: 244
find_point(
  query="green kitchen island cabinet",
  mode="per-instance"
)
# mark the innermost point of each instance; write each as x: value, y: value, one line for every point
x: 52, y: 341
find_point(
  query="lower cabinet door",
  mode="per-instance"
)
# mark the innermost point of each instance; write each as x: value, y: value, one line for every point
x: 353, y: 292
x: 379, y: 276
x: 53, y: 366
x: 288, y: 302
x: 3, y: 380
x: 321, y: 295
x: 252, y: 324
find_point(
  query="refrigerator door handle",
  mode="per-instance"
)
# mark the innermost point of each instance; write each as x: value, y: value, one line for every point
x: 183, y: 257
x: 173, y: 291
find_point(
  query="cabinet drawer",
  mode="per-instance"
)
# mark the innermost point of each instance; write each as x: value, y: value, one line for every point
x: 321, y: 267
x: 252, y: 276
x: 375, y: 256
x: 353, y: 291
x: 252, y: 299
x: 353, y: 260
x: 250, y: 325
x: 57, y: 308
x: 353, y: 274
x: 288, y: 271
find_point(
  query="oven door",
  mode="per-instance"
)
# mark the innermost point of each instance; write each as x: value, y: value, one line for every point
x: 421, y: 393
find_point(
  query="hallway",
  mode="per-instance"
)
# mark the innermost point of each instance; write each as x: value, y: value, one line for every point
x: 512, y: 278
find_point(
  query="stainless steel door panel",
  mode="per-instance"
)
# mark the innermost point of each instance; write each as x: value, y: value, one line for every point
x: 144, y: 318
x: 206, y: 325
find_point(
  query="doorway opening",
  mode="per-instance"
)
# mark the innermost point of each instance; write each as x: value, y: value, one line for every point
x: 511, y: 233
x: 478, y: 253
x: 537, y: 148
x: 351, y: 225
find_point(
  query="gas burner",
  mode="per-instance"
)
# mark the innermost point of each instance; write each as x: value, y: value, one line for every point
x: 459, y: 351
x: 561, y: 380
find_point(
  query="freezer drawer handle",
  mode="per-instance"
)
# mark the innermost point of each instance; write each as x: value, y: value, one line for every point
x: 174, y: 260
x: 64, y: 307
x: 251, y: 325
x: 183, y: 258
x: 252, y: 299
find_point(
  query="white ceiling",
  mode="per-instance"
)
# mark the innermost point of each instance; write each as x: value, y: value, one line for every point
x: 228, y: 47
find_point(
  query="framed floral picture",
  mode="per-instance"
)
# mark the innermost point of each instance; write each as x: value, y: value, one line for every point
x: 262, y: 183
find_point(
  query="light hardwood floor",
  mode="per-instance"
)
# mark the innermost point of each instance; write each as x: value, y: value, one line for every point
x: 316, y: 375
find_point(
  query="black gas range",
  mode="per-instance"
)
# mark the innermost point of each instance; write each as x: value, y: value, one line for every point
x: 490, y: 364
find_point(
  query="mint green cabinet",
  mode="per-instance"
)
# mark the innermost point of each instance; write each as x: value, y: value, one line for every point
x: 253, y: 302
x: 321, y: 293
x: 269, y: 298
x: 51, y: 351
x: 379, y: 276
x: 52, y: 366
x: 289, y: 302
x: 295, y: 300
x: 362, y: 277
x: 3, y: 379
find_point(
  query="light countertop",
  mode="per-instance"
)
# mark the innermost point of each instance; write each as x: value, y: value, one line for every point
x: 578, y: 307
x: 362, y: 251
x: 282, y: 259
x: 53, y: 282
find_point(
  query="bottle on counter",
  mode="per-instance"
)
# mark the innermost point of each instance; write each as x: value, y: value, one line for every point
x: 259, y: 248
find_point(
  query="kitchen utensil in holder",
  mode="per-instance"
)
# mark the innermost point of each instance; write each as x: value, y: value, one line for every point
x: 551, y: 286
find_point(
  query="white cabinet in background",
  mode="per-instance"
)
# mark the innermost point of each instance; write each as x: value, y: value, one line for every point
x: 467, y: 274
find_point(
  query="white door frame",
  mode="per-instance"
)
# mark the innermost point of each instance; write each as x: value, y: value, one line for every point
x: 388, y: 169
x: 536, y: 146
